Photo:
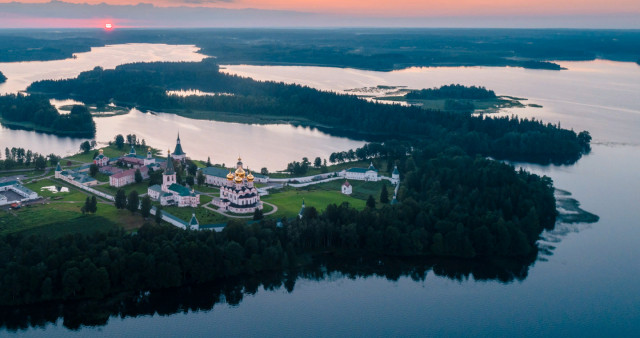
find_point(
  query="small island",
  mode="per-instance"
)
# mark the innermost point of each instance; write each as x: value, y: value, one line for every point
x: 458, y: 99
x: 2, y: 78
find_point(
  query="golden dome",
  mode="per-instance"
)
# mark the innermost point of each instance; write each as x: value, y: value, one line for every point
x: 240, y: 172
x: 238, y: 179
x: 250, y: 177
x: 230, y: 176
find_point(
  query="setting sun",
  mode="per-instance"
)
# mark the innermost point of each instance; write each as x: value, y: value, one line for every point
x: 108, y: 26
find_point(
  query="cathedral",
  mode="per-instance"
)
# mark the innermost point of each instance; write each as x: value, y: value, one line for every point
x: 239, y: 195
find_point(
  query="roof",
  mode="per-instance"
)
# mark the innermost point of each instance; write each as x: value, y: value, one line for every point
x: 214, y: 171
x: 58, y: 167
x: 132, y: 151
x: 180, y: 190
x: 156, y: 187
x: 371, y: 167
x: 23, y: 189
x: 99, y: 157
x: 346, y: 184
x: 194, y: 220
x: 178, y: 151
x: 395, y: 171
x: 130, y: 172
x: 170, y: 170
x: 8, y: 183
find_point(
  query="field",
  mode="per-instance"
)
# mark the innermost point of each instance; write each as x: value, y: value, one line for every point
x: 381, y: 166
x: 289, y: 202
x: 361, y: 189
x: 203, y: 215
x: 141, y: 188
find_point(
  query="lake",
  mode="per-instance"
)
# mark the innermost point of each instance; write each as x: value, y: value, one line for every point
x: 270, y: 146
x: 586, y: 281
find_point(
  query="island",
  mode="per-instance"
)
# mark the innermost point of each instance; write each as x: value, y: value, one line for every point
x: 35, y: 112
x: 2, y: 78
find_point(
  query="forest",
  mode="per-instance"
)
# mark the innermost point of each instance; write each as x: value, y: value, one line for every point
x: 362, y: 48
x: 36, y: 112
x: 452, y: 91
x: 453, y: 205
x: 145, y: 85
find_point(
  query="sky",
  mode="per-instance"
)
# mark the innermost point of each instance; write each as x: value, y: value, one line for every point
x: 314, y: 13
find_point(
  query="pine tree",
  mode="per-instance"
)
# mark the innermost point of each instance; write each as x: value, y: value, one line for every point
x: 371, y: 202
x: 121, y: 199
x: 138, y: 176
x: 158, y: 214
x: 94, y: 205
x: 145, y: 208
x: 384, y: 195
x: 133, y: 201
x: 257, y: 215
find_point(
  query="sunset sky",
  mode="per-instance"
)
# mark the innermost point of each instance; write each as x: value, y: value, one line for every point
x: 583, y: 13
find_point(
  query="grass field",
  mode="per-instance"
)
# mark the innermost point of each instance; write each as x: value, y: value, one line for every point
x: 203, y: 215
x: 289, y: 201
x: 73, y: 194
x: 361, y: 189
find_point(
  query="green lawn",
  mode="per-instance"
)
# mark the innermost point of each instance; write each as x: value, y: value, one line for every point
x: 203, y: 215
x: 289, y: 201
x: 102, y: 177
x: 207, y: 190
x: 73, y: 195
x: 60, y: 218
x: 361, y: 189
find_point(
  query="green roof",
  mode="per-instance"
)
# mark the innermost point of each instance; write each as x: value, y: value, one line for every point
x: 179, y: 189
x: 178, y: 150
x: 213, y: 171
x: 8, y: 183
x: 156, y: 187
x: 58, y: 167
x: 357, y: 170
x: 193, y: 220
x: 170, y: 170
x: 395, y: 171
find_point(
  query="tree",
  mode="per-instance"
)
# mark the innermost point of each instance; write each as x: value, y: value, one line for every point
x: 145, y: 207
x: 94, y: 205
x: 133, y: 201
x: 119, y: 141
x: 158, y: 214
x: 384, y: 195
x: 121, y: 199
x: 209, y: 162
x: 371, y: 202
x: 40, y: 162
x: 138, y: 176
x: 257, y: 215
x: 317, y: 162
x: 200, y: 178
x: 190, y: 180
x: 93, y: 170
x: 264, y: 171
x: 85, y: 146
x: 53, y: 159
x: 87, y: 206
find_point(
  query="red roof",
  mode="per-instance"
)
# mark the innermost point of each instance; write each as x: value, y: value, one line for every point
x: 130, y: 172
x: 346, y: 184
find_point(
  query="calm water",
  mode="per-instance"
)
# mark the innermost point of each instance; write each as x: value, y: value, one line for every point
x: 270, y: 146
x: 586, y: 284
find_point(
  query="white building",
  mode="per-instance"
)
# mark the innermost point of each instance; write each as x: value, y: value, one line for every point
x: 13, y: 191
x: 347, y: 189
x: 238, y: 194
x: 75, y: 177
x: 395, y: 176
x: 361, y: 174
x: 127, y: 177
x: 172, y: 193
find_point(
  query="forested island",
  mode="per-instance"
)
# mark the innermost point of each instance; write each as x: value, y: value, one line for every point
x: 35, y: 112
x: 372, y: 49
x: 145, y: 85
x: 452, y: 91
x: 2, y: 78
x: 452, y: 205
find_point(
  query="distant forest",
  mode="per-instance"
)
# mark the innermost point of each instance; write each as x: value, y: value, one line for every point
x: 2, y: 78
x: 36, y: 112
x: 145, y: 85
x: 372, y: 49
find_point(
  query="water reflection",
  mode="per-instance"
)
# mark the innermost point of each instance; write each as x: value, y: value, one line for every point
x: 75, y: 315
